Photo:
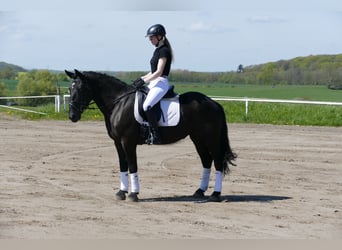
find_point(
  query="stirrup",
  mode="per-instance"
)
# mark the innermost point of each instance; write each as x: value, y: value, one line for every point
x: 151, y: 140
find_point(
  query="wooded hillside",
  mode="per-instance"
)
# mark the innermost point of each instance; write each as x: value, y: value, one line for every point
x: 309, y: 70
x: 9, y: 71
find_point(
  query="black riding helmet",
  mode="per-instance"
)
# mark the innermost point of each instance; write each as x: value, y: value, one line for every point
x: 156, y: 30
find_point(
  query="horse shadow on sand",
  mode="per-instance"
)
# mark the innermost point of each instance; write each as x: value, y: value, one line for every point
x: 225, y: 198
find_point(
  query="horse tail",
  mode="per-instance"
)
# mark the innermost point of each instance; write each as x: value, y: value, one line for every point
x: 229, y: 155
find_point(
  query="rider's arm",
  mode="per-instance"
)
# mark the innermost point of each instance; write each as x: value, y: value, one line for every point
x: 160, y: 68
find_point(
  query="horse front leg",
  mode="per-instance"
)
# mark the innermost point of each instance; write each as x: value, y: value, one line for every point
x: 131, y: 156
x: 121, y: 194
x: 128, y: 171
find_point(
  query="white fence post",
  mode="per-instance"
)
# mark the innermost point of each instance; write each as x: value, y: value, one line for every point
x: 57, y: 103
x: 247, y: 100
x: 64, y: 101
x: 217, y: 98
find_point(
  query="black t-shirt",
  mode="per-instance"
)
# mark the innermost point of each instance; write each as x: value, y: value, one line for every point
x: 161, y: 52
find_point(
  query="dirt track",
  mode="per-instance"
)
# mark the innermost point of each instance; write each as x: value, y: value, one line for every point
x: 58, y: 180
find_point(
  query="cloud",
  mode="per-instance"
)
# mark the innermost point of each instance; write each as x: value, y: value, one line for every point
x: 265, y: 19
x: 119, y: 5
x: 156, y: 5
x: 202, y: 27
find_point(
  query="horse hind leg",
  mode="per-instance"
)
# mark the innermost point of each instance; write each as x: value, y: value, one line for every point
x: 217, y: 154
x: 199, y: 193
x: 219, y: 174
x: 216, y: 195
x: 206, y: 160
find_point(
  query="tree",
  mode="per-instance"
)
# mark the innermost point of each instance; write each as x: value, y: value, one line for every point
x: 62, y: 77
x: 36, y: 83
x: 7, y: 73
x: 3, y: 91
x: 267, y: 74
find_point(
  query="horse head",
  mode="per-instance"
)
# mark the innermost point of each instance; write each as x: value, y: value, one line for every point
x: 80, y: 95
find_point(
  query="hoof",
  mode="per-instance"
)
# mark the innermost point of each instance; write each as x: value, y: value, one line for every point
x: 133, y: 197
x: 121, y: 195
x: 199, y: 194
x: 215, y: 197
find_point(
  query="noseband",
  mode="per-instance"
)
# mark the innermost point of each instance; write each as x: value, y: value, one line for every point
x: 80, y: 106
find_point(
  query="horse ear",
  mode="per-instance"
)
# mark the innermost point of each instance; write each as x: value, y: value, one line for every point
x: 70, y: 74
x: 78, y: 73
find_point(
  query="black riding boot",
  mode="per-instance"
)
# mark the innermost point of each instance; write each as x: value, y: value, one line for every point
x: 152, y: 120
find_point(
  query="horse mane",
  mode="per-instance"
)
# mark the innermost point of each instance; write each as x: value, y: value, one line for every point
x: 104, y: 78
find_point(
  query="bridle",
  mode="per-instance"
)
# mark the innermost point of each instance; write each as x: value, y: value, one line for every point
x: 78, y: 106
x: 81, y: 106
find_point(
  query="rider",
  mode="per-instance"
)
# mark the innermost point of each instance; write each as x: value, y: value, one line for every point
x: 157, y: 77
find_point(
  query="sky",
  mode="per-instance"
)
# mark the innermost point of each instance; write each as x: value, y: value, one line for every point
x: 206, y: 35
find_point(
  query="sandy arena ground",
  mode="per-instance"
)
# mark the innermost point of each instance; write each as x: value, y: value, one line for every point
x: 58, y: 180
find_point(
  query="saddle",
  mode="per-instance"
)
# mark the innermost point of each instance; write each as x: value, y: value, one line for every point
x: 167, y: 109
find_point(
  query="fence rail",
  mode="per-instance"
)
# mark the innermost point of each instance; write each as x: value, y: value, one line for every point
x: 216, y: 98
x: 57, y: 102
x: 247, y: 100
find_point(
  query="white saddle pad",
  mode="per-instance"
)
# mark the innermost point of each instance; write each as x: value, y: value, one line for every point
x: 170, y: 109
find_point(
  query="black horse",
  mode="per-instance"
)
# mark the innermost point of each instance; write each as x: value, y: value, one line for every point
x: 201, y: 118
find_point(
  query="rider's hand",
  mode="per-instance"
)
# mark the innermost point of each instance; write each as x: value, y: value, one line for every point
x: 138, y: 83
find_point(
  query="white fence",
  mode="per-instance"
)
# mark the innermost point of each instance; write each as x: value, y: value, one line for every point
x: 246, y: 100
x: 56, y: 97
x: 65, y: 97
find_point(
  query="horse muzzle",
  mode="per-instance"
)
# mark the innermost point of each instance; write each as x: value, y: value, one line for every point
x: 74, y: 117
x: 75, y: 112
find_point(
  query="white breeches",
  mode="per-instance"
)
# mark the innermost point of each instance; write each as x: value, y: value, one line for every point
x: 158, y: 89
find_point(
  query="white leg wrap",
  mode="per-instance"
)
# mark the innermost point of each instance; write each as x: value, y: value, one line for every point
x: 135, y: 187
x: 218, y: 181
x: 124, y: 181
x: 205, y: 179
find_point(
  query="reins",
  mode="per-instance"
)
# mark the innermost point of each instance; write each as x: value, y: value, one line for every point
x: 124, y: 95
x: 81, y: 107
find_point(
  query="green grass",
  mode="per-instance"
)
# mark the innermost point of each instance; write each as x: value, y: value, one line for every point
x: 11, y: 86
x: 49, y: 109
x: 267, y: 113
x: 262, y: 113
x: 308, y: 93
x: 283, y: 114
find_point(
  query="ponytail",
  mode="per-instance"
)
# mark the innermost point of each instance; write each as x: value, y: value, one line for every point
x: 167, y: 43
